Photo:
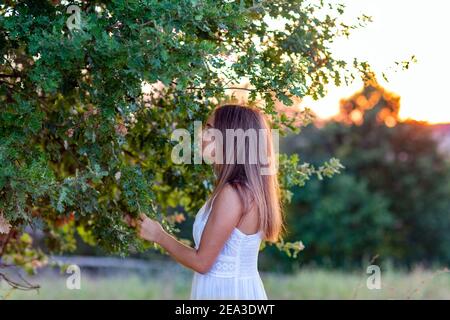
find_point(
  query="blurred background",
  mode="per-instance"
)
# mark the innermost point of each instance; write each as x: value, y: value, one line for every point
x: 389, y: 207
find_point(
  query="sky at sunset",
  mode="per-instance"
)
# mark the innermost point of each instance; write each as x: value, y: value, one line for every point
x: 400, y: 29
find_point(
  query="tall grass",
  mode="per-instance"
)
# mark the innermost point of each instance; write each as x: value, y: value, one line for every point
x: 306, y: 284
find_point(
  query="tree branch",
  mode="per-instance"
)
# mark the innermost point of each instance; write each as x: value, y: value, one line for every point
x: 16, y: 285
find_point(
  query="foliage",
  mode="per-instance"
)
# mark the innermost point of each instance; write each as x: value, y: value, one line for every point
x: 81, y: 144
x: 340, y: 221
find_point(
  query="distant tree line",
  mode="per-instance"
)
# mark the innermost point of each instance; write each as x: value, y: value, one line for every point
x: 393, y: 198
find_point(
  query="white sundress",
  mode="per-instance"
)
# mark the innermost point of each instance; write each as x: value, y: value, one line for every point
x: 234, y: 274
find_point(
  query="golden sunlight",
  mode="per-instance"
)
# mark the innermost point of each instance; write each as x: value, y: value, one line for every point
x: 399, y: 30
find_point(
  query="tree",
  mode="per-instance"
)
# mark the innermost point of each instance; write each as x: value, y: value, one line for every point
x: 341, y: 222
x: 394, y: 198
x: 81, y: 143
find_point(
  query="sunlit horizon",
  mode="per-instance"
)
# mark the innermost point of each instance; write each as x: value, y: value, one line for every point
x: 399, y: 30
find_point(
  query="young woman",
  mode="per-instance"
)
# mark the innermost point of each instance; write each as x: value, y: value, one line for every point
x: 243, y: 210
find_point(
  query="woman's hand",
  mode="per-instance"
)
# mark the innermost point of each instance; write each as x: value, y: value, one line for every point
x: 147, y: 228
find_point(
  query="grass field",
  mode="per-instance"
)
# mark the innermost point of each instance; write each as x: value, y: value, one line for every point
x: 307, y: 284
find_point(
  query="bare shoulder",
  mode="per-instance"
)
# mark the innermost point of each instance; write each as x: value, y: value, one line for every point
x: 229, y: 196
x: 228, y: 203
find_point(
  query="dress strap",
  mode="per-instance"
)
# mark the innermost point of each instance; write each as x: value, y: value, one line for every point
x: 208, y: 207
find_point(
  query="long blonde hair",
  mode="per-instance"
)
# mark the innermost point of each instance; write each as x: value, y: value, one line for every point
x: 253, y: 187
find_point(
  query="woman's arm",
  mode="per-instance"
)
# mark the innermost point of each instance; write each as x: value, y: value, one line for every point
x: 223, y: 218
